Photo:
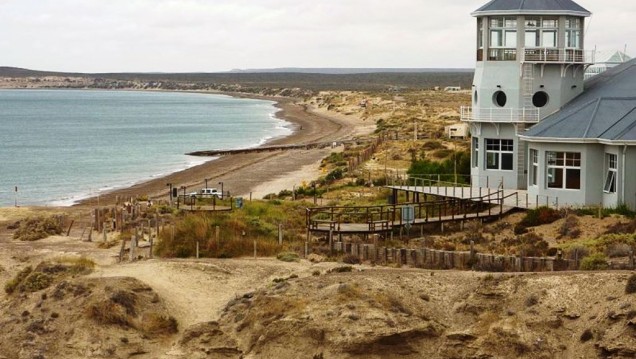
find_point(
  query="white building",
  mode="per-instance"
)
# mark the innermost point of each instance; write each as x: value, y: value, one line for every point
x: 534, y: 126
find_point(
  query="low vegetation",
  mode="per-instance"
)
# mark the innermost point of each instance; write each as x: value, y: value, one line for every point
x: 34, y: 228
x: 46, y: 273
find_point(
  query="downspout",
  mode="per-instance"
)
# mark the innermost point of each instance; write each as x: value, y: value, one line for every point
x: 623, y: 175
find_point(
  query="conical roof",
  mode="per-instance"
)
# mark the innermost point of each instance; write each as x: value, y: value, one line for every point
x: 531, y: 7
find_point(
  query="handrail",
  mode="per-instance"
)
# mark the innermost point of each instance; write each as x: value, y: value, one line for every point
x: 496, y: 114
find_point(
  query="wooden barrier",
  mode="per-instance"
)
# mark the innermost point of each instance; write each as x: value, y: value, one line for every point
x: 460, y: 260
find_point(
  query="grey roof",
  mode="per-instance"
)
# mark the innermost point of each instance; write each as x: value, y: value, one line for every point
x: 531, y: 7
x: 605, y: 111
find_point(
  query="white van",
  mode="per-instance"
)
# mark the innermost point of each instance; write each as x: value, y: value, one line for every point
x: 207, y: 193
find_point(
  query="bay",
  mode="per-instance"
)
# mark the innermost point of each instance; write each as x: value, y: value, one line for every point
x: 59, y: 146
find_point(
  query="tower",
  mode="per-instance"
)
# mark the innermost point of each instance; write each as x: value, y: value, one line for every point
x: 530, y: 62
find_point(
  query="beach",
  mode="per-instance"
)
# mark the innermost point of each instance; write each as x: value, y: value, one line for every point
x: 257, y: 174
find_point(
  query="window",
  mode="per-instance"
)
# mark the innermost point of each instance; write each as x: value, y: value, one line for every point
x: 480, y: 33
x: 573, y: 32
x: 610, y: 170
x: 563, y: 170
x: 499, y: 154
x: 499, y: 98
x: 475, y: 152
x: 540, y: 99
x: 503, y: 32
x: 534, y: 167
x: 541, y: 32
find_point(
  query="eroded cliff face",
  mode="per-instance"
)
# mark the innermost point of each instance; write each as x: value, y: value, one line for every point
x: 415, y: 314
x: 327, y: 313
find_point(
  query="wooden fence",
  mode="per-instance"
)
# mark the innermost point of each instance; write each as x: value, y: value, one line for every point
x: 461, y: 260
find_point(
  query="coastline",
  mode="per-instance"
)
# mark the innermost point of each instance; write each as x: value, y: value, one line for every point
x: 259, y: 173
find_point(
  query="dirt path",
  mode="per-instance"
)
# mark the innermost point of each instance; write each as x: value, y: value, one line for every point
x: 196, y: 291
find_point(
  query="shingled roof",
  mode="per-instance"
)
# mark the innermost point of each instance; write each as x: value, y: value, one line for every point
x: 531, y: 7
x: 604, y: 112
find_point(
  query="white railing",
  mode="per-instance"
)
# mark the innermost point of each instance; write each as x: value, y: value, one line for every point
x: 554, y: 55
x: 513, y: 115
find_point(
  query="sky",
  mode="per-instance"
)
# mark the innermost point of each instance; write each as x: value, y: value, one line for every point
x: 220, y: 35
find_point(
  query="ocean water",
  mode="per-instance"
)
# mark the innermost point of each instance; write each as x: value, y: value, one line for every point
x: 59, y: 146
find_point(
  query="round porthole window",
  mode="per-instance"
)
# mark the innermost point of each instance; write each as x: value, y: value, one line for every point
x: 475, y: 97
x: 499, y: 98
x: 540, y: 99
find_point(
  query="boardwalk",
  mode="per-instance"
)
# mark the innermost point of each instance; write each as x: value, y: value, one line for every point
x: 385, y: 218
x: 511, y: 197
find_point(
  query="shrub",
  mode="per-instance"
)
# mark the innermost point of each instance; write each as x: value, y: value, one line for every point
x: 596, y: 261
x: 14, y: 283
x: 351, y: 259
x: 540, y: 216
x: 342, y: 269
x: 288, y: 257
x: 618, y: 250
x: 531, y: 300
x: 32, y: 229
x: 630, y: 288
x: 334, y: 175
x: 36, y: 281
x: 569, y: 227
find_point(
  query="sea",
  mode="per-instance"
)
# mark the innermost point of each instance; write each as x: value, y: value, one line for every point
x: 60, y: 146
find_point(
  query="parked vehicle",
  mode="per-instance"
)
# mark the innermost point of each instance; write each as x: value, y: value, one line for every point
x: 207, y: 193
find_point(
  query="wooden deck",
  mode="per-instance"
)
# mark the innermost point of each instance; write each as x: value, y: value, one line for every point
x: 385, y: 218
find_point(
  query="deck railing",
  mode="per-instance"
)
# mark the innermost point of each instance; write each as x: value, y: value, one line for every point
x: 494, y: 114
x: 554, y: 55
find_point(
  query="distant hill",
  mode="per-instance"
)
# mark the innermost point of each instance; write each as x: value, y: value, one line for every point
x: 358, y: 81
x: 347, y: 71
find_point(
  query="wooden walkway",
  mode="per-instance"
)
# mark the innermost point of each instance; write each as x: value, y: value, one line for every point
x: 385, y: 218
x: 511, y: 197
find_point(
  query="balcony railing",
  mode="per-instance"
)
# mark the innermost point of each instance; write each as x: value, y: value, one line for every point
x: 500, y: 115
x: 552, y: 55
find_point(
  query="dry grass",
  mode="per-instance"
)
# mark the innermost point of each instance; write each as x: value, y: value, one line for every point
x: 34, y: 228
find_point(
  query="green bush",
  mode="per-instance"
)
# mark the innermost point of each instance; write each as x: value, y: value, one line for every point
x: 540, y: 216
x: 288, y: 257
x: 14, y: 283
x: 596, y: 261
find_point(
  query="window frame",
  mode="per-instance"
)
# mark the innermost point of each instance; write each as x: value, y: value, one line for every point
x: 611, y: 173
x: 562, y: 164
x: 475, y: 160
x: 534, y: 167
x: 495, y: 153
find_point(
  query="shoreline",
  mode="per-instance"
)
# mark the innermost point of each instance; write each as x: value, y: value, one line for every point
x: 243, y: 174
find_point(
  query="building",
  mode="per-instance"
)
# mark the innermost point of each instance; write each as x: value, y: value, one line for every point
x: 457, y: 130
x: 536, y: 124
x: 605, y: 61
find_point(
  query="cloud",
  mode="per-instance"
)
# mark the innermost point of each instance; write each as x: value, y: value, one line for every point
x: 216, y: 35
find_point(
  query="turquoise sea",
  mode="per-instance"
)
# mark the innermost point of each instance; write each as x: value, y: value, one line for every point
x: 59, y: 146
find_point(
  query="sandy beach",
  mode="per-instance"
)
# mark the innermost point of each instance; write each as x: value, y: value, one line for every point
x: 258, y: 173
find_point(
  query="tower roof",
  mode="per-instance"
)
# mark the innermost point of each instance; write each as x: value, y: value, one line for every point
x: 531, y: 7
x: 605, y: 111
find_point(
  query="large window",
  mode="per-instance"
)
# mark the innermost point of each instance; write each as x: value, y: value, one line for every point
x: 534, y: 167
x: 563, y: 170
x: 503, y: 32
x: 475, y: 152
x: 541, y: 32
x: 610, y: 169
x: 499, y: 154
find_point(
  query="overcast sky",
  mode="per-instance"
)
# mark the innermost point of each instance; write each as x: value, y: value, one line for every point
x: 219, y: 35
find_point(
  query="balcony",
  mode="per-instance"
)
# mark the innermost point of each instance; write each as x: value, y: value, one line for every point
x: 557, y: 56
x: 500, y: 115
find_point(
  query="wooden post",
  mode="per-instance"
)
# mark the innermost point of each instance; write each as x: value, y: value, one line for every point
x: 330, y: 242
x: 217, y: 234
x: 121, y: 250
x: 280, y: 234
x: 306, y: 249
x: 133, y: 244
x: 105, y: 234
x: 255, y: 249
x: 197, y: 249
